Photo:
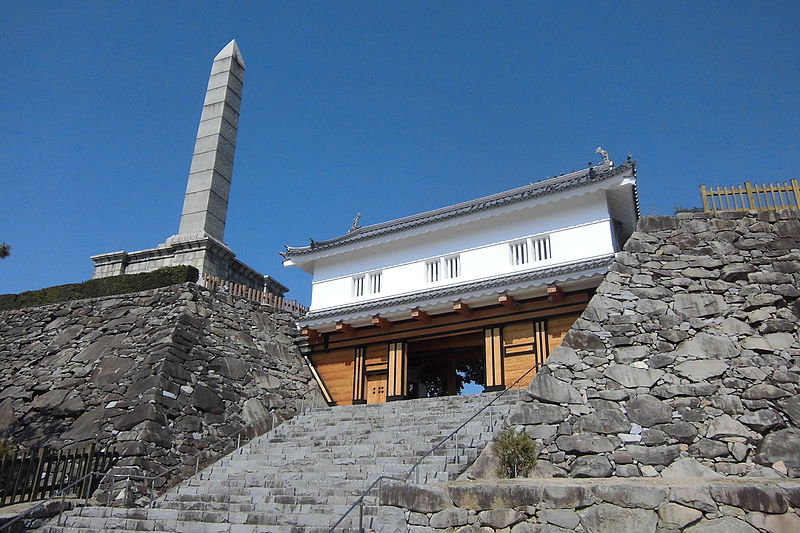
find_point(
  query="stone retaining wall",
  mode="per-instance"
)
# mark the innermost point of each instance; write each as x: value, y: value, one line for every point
x: 729, y: 505
x: 690, y: 348
x: 160, y: 375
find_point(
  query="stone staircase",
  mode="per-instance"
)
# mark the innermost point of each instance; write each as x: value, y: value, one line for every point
x: 302, y: 476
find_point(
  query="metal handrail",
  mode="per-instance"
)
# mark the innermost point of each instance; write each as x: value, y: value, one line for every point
x: 360, y: 500
x: 63, y: 491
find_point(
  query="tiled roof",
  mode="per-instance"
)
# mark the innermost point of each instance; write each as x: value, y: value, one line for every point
x: 599, y: 173
x: 457, y: 290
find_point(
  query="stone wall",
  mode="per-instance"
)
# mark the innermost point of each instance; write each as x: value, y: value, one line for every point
x: 731, y: 505
x: 689, y: 349
x: 160, y: 375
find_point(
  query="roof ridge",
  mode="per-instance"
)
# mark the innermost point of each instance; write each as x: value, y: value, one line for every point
x: 533, y: 190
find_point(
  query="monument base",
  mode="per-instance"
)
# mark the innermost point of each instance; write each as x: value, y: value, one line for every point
x: 208, y: 255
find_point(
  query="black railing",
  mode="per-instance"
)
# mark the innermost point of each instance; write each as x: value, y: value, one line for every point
x: 40, y: 473
x: 89, y: 479
x: 360, y: 500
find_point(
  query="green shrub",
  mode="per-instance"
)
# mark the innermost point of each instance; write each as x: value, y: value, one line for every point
x: 516, y: 452
x: 681, y: 209
x: 93, y: 288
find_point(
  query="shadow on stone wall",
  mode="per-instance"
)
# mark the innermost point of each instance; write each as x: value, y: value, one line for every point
x: 163, y: 376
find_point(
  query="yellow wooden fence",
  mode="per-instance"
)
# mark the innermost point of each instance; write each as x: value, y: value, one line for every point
x: 749, y: 197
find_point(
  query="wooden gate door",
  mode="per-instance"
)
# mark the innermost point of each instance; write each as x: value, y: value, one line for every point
x: 376, y: 388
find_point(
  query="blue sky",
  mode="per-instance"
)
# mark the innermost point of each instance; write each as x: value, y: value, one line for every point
x: 383, y: 108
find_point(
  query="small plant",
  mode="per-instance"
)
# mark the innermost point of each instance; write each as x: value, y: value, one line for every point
x: 516, y: 452
x: 681, y: 209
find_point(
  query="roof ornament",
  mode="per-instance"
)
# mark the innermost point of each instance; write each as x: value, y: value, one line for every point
x: 312, y: 242
x: 604, y: 153
x: 355, y: 225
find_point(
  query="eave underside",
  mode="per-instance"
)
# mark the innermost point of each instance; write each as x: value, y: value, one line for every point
x: 523, y: 285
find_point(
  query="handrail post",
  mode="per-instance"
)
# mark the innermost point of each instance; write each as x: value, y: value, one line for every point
x: 108, y: 501
x: 361, y: 516
x: 61, y: 509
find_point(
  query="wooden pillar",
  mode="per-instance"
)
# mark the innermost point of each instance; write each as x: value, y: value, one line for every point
x: 358, y: 376
x: 452, y: 384
x: 494, y: 359
x: 398, y: 371
x: 541, y: 345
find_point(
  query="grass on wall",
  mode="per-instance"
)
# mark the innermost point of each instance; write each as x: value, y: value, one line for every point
x: 93, y: 288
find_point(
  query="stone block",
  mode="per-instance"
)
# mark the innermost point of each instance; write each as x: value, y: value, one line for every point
x: 500, y: 518
x: 482, y: 496
x: 699, y: 371
x: 782, y: 523
x: 591, y: 466
x: 207, y: 400
x: 102, y: 347
x: 605, y: 517
x: 725, y: 426
x: 549, y: 389
x: 647, y: 410
x: 570, y: 497
x: 782, y: 445
x: 452, y: 517
x: 606, y: 421
x: 761, y: 498
x: 631, y: 495
x: 415, y: 498
x: 654, y: 455
x: 566, y: 518
x: 538, y: 413
x: 688, y: 467
x: 698, y: 304
x: 632, y: 377
x: 676, y: 516
x: 111, y: 369
x: 583, y: 443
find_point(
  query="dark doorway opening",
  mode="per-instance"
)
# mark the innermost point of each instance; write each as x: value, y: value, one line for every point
x: 447, y: 366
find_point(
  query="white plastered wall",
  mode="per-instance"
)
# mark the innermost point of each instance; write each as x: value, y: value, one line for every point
x: 579, y: 228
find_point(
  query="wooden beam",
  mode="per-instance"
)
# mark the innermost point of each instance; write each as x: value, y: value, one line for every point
x: 381, y: 322
x: 555, y: 294
x: 347, y: 329
x: 420, y: 315
x: 462, y: 309
x: 312, y: 334
x: 507, y: 301
x: 445, y: 322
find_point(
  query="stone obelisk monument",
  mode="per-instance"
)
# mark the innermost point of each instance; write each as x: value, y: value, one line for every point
x: 205, y: 205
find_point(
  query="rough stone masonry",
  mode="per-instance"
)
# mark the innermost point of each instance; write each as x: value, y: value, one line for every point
x: 672, y: 404
x: 161, y: 376
x: 689, y: 349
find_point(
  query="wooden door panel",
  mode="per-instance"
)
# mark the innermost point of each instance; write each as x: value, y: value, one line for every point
x: 376, y: 388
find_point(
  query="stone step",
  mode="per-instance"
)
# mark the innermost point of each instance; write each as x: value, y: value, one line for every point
x: 303, y: 475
